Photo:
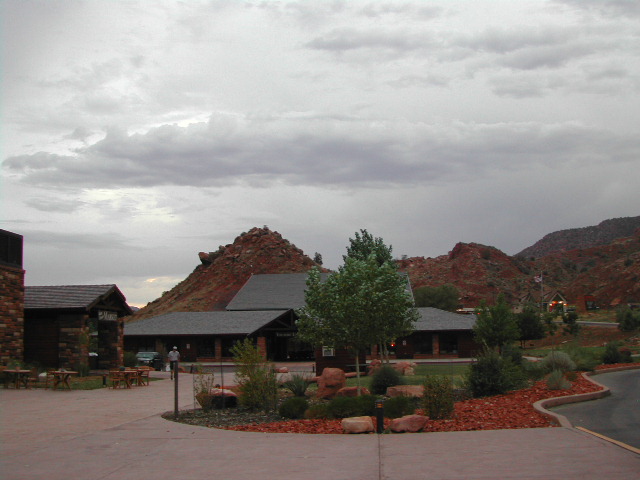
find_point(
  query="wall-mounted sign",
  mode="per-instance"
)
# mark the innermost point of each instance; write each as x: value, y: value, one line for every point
x: 107, y: 316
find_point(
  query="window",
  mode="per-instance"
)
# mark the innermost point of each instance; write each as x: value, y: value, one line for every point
x: 328, y: 352
x: 10, y: 249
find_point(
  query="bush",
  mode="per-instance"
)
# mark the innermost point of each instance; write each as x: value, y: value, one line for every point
x: 256, y: 378
x: 385, y: 377
x: 293, y: 407
x: 556, y: 381
x: 129, y: 359
x: 557, y: 360
x: 611, y: 354
x: 584, y: 359
x: 492, y: 374
x: 533, y: 370
x: 437, y: 401
x: 342, y: 407
x: 317, y: 410
x: 397, y: 407
x: 628, y: 320
x: 297, y: 385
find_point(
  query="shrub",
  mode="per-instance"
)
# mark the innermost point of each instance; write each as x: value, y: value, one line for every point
x: 256, y: 378
x: 625, y: 355
x: 317, y: 410
x: 293, y: 407
x: 438, y: 397
x: 584, y: 359
x: 385, y: 377
x: 557, y: 360
x: 628, y: 320
x: 611, y: 354
x: 492, y: 374
x: 297, y: 384
x: 556, y: 381
x: 341, y: 407
x: 129, y: 359
x: 533, y: 370
x: 396, y: 407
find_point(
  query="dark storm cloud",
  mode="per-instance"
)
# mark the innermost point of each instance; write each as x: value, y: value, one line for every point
x: 314, y: 152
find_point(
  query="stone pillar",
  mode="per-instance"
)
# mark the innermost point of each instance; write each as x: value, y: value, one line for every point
x: 218, y: 348
x: 436, y: 344
x: 11, y: 314
x: 262, y: 347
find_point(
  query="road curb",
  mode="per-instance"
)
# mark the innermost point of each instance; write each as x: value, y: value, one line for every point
x: 541, y: 406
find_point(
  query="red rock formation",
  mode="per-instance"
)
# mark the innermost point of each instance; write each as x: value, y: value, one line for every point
x: 213, y: 284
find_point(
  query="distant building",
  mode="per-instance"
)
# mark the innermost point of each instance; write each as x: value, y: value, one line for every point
x: 264, y: 310
x: 64, y: 324
x: 11, y: 298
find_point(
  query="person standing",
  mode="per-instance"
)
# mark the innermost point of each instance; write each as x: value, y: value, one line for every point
x: 174, y: 357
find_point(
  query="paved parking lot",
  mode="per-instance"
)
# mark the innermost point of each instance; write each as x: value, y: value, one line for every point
x: 119, y: 434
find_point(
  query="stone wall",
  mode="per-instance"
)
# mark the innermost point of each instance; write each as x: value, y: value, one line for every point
x: 11, y: 314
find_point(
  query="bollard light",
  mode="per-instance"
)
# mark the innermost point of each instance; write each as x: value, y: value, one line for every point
x: 379, y: 408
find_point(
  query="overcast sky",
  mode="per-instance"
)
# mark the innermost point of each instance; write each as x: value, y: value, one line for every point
x: 136, y: 134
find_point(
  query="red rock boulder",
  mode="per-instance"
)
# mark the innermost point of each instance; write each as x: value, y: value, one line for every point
x: 408, y: 423
x: 331, y: 380
x: 352, y: 392
x: 357, y: 425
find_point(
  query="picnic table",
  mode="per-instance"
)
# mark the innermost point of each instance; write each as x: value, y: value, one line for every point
x: 18, y: 377
x: 61, y: 377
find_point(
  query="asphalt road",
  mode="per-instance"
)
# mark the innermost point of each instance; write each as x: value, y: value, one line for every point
x: 616, y: 416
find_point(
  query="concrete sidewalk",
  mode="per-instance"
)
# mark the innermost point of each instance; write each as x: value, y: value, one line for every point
x: 119, y: 434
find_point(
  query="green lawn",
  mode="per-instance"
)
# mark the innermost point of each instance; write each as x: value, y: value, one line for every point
x: 457, y: 371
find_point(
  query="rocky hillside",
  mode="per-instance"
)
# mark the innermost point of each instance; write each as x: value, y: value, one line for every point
x: 220, y: 275
x: 610, y: 272
x: 570, y: 239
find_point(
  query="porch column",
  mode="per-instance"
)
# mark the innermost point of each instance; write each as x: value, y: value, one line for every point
x: 218, y: 348
x: 435, y: 338
x: 262, y: 347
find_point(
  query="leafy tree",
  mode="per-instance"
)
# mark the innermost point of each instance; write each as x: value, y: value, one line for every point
x: 530, y: 324
x: 360, y: 305
x: 365, y: 244
x: 571, y: 326
x: 444, y: 297
x: 317, y: 257
x: 496, y: 325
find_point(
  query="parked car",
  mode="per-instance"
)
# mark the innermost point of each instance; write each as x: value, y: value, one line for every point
x: 151, y: 359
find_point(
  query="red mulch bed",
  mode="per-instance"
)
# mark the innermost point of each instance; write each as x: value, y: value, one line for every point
x: 512, y: 410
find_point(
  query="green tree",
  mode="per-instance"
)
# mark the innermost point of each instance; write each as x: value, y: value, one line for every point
x: 496, y: 325
x: 444, y: 297
x: 530, y: 324
x: 571, y: 325
x: 360, y: 305
x: 364, y: 244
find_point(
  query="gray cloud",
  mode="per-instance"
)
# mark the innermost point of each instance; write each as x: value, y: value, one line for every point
x: 314, y: 152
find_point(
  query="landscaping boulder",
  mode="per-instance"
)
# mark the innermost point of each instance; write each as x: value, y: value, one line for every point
x: 352, y: 392
x: 405, y: 390
x: 357, y: 425
x: 374, y: 366
x: 408, y: 423
x: 331, y: 380
x: 405, y: 368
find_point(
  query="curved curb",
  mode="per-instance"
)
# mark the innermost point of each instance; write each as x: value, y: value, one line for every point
x: 542, y: 405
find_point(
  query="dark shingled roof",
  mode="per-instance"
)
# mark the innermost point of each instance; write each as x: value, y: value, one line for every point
x: 276, y: 291
x: 272, y: 291
x: 202, y: 323
x: 68, y: 296
x: 432, y: 319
